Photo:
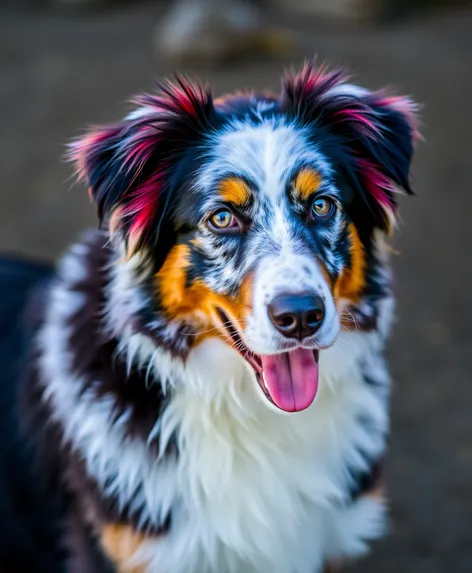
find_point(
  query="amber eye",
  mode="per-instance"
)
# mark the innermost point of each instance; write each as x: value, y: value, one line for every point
x: 322, y: 207
x: 223, y: 220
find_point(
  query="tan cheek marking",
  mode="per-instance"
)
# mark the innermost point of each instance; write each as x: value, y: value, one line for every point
x: 234, y: 190
x: 170, y: 281
x: 205, y: 302
x: 306, y: 183
x: 178, y: 299
x: 120, y: 542
x: 236, y: 309
x: 352, y: 280
x: 197, y: 301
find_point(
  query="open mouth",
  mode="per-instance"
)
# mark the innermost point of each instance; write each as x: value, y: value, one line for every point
x: 289, y: 380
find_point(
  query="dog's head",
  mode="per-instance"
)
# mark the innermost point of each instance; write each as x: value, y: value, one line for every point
x: 256, y: 215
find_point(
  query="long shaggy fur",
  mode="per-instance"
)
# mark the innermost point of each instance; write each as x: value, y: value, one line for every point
x: 138, y: 420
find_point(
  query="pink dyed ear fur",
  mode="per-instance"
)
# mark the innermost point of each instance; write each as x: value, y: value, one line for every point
x: 126, y: 166
x: 376, y: 131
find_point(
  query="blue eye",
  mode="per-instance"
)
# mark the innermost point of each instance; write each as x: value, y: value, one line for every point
x: 223, y: 220
x: 322, y: 207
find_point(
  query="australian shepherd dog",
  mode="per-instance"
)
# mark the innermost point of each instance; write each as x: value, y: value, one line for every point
x: 200, y: 385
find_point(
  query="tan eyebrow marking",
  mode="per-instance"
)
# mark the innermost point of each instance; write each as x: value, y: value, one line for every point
x: 307, y: 182
x: 235, y: 190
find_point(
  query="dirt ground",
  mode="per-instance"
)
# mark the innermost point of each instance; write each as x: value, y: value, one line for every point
x: 62, y: 72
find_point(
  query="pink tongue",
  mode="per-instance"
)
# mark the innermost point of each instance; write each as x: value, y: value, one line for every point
x: 291, y: 378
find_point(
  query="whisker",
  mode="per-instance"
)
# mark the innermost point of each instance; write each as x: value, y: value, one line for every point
x: 351, y: 317
x: 225, y: 323
x: 199, y: 332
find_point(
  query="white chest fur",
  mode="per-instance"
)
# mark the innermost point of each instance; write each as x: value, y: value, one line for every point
x: 253, y: 490
x: 259, y: 491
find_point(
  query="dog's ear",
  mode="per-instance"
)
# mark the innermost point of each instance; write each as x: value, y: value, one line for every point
x: 374, y: 132
x: 128, y: 167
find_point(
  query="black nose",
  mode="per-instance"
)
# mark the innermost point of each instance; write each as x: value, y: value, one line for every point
x: 297, y: 315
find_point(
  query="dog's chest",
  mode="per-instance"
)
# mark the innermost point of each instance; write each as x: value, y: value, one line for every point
x: 258, y: 491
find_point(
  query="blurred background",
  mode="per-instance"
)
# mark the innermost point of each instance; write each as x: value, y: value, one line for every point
x: 66, y: 64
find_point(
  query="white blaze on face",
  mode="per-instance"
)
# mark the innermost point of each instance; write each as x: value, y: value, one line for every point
x: 294, y: 274
x: 264, y: 153
x: 268, y: 154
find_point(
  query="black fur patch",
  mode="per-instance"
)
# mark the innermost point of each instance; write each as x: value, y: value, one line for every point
x: 30, y: 513
x: 95, y: 359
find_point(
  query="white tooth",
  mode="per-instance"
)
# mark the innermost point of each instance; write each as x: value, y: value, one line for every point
x: 264, y: 380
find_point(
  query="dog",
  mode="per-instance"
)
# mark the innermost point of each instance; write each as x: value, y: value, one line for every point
x: 200, y: 384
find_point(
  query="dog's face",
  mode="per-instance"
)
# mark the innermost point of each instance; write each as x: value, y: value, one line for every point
x: 256, y: 215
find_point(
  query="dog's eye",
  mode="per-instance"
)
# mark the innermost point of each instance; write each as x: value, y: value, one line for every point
x: 322, y: 207
x: 223, y: 220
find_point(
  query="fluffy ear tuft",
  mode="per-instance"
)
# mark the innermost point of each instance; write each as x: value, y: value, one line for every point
x: 127, y: 167
x: 376, y: 131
